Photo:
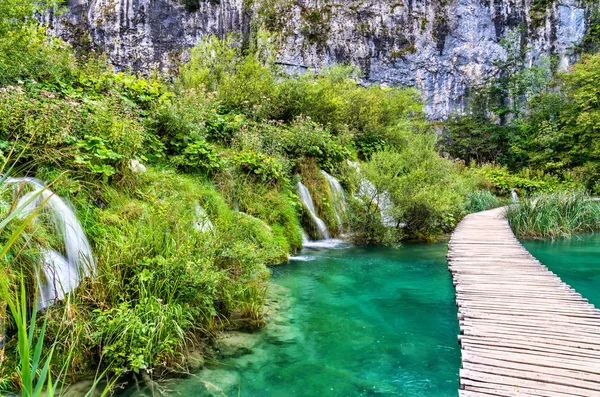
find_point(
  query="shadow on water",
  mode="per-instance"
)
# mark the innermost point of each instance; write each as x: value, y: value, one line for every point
x: 355, y: 322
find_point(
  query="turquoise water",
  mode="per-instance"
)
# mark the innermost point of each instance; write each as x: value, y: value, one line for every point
x: 576, y: 261
x: 360, y: 322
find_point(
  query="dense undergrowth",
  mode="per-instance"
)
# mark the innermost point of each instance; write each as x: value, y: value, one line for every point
x: 182, y: 249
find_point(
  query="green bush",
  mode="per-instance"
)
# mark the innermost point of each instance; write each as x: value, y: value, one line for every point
x: 264, y: 168
x: 199, y: 156
x: 307, y: 139
x: 246, y: 80
x: 425, y: 190
x: 502, y: 180
x: 241, y: 79
x: 26, y: 52
x: 86, y: 136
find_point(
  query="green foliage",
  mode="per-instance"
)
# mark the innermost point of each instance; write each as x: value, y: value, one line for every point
x: 199, y: 156
x: 481, y: 200
x: 34, y: 369
x: 307, y: 139
x: 247, y: 80
x: 364, y: 218
x: 561, y: 133
x: 87, y: 135
x: 425, y: 190
x: 243, y: 79
x: 162, y: 279
x: 556, y: 214
x: 25, y: 49
x: 140, y: 337
x: 273, y: 204
x: 264, y: 168
x: 501, y: 180
x: 590, y: 43
x: 474, y: 138
x: 534, y: 123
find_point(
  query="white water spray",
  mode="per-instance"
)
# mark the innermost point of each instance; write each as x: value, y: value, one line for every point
x: 203, y: 223
x: 338, y: 195
x: 514, y: 196
x: 381, y: 199
x: 307, y: 200
x: 60, y: 272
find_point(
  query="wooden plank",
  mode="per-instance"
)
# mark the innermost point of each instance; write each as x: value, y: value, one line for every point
x: 520, y: 382
x: 546, y: 368
x: 524, y: 331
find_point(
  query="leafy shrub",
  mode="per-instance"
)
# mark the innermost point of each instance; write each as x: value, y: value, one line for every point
x: 476, y: 138
x: 139, y: 337
x: 26, y: 52
x: 264, y: 168
x: 199, y: 156
x: 503, y: 181
x: 424, y: 189
x: 274, y: 204
x: 90, y: 137
x: 307, y: 139
x: 244, y: 80
x: 247, y: 81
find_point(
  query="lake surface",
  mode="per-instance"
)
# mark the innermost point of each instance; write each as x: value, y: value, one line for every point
x: 360, y: 322
x: 576, y: 261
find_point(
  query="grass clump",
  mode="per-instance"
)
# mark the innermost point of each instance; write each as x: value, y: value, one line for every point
x: 481, y: 200
x: 554, y: 215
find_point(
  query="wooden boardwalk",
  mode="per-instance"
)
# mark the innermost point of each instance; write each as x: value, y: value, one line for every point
x: 524, y: 332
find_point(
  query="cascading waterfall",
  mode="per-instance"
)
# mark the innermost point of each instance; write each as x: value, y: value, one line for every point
x: 60, y: 272
x: 338, y: 196
x: 381, y: 199
x: 307, y: 200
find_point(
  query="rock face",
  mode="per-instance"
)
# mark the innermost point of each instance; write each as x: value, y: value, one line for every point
x: 439, y: 46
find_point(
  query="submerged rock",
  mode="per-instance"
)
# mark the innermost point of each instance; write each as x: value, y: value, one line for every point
x: 235, y: 344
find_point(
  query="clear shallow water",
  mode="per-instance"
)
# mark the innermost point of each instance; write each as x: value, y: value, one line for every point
x: 576, y: 261
x: 360, y: 322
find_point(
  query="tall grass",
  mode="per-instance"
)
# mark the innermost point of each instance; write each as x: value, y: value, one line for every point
x: 33, y: 367
x: 557, y: 214
x: 481, y: 200
x: 36, y: 371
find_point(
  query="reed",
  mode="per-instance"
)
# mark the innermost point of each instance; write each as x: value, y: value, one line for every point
x: 554, y: 215
x: 481, y: 200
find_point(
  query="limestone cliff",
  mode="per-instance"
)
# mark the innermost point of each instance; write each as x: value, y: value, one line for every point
x: 439, y: 46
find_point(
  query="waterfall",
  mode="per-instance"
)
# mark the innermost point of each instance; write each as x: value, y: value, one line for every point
x: 203, y: 223
x: 382, y: 200
x: 338, y: 195
x: 306, y: 199
x: 61, y: 272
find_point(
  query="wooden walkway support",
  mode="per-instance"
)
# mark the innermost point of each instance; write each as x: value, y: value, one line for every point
x: 524, y: 332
